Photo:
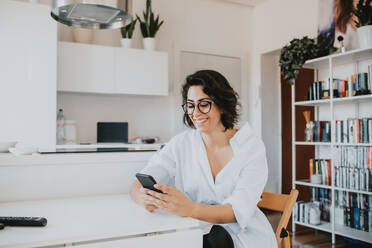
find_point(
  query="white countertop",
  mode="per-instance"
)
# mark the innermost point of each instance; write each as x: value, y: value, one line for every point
x: 76, y: 220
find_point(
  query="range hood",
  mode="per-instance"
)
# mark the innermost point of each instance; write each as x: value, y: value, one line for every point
x: 81, y: 14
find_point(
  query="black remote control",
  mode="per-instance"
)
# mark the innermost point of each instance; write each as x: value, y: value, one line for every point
x: 23, y: 221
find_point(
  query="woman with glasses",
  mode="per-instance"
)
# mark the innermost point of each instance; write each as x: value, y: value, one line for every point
x: 213, y: 172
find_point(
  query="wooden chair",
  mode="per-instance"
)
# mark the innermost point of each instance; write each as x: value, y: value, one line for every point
x: 280, y: 203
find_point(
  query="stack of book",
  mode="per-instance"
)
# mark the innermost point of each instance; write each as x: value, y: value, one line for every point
x: 318, y: 90
x: 321, y: 198
x: 353, y: 168
x: 321, y: 167
x: 358, y: 84
x: 353, y: 210
x: 353, y: 130
x: 322, y: 131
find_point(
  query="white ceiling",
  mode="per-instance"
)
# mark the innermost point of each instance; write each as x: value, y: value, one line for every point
x: 247, y: 2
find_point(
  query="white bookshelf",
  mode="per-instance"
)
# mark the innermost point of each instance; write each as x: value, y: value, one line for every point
x: 333, y: 66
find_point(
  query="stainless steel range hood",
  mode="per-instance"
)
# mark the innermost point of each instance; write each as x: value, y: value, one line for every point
x: 89, y: 15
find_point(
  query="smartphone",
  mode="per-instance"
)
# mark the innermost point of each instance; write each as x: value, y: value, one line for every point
x: 147, y: 182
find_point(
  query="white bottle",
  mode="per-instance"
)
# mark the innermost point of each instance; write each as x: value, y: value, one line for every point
x: 60, y: 128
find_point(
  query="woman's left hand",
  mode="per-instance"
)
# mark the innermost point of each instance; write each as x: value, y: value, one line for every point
x: 172, y: 200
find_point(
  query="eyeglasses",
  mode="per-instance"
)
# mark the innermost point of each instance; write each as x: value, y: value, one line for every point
x: 203, y: 106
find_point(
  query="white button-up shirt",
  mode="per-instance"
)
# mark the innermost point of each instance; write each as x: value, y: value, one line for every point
x: 183, y: 163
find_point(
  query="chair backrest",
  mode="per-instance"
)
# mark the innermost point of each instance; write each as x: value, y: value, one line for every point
x: 280, y: 203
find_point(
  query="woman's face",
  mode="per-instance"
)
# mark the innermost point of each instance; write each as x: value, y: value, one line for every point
x: 203, y: 121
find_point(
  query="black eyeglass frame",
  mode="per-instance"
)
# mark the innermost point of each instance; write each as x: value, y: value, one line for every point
x: 185, y: 109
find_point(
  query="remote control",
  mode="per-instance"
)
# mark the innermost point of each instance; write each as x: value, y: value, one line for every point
x: 23, y: 221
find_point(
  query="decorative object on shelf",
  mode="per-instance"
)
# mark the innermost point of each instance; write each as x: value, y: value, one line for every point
x: 294, y: 55
x: 149, y: 27
x: 341, y: 40
x: 363, y: 12
x: 82, y: 35
x: 309, y: 127
x: 314, y: 214
x: 127, y: 33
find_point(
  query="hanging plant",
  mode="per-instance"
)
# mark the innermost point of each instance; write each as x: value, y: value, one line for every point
x: 294, y: 55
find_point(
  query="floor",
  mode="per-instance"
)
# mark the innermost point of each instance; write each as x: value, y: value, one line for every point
x: 310, y: 238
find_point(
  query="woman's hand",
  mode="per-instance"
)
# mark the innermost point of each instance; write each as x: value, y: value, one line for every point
x: 140, y: 196
x: 172, y: 200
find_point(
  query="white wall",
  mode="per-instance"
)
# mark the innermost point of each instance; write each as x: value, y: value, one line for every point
x: 275, y: 24
x: 208, y: 26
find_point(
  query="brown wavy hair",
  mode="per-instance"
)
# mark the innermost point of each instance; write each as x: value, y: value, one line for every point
x: 216, y: 86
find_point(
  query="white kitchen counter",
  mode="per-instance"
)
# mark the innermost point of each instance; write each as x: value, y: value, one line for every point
x: 46, y: 176
x: 8, y: 159
x: 99, y: 221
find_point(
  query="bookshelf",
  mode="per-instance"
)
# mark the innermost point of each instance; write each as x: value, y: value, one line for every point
x: 333, y: 67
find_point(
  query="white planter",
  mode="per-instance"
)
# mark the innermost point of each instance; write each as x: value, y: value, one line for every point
x: 365, y: 36
x: 126, y: 43
x: 82, y: 35
x: 149, y: 44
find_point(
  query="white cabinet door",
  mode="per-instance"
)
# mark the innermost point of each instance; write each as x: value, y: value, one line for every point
x: 85, y: 68
x: 141, y: 72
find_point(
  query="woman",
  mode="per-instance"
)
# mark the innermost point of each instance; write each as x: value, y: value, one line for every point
x: 212, y: 172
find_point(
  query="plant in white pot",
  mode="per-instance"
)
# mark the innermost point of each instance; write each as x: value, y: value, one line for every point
x: 363, y: 12
x: 127, y: 33
x: 149, y: 26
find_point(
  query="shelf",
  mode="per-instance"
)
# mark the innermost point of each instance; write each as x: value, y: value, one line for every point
x: 352, y: 144
x: 353, y: 99
x: 307, y: 183
x: 339, y: 58
x: 312, y: 103
x: 353, y: 233
x: 324, y: 226
x: 353, y: 191
x: 340, y: 100
x: 304, y: 143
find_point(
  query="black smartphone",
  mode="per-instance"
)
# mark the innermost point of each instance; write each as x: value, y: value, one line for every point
x: 147, y: 182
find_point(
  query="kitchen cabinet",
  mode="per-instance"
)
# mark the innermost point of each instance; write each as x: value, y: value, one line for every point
x: 87, y: 68
x: 28, y: 76
x: 141, y: 72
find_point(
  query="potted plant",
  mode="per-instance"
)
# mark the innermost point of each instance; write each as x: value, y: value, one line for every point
x: 294, y: 55
x: 363, y: 12
x: 127, y: 33
x: 149, y: 26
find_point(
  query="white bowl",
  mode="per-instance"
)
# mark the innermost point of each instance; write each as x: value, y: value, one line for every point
x: 4, y: 146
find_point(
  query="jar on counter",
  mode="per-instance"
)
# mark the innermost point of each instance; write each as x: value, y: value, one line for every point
x: 70, y: 132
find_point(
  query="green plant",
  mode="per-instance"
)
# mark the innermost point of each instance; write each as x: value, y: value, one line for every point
x: 294, y: 55
x: 363, y: 12
x: 127, y: 31
x: 149, y: 25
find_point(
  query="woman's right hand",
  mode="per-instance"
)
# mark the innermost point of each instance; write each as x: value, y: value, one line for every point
x: 141, y: 197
